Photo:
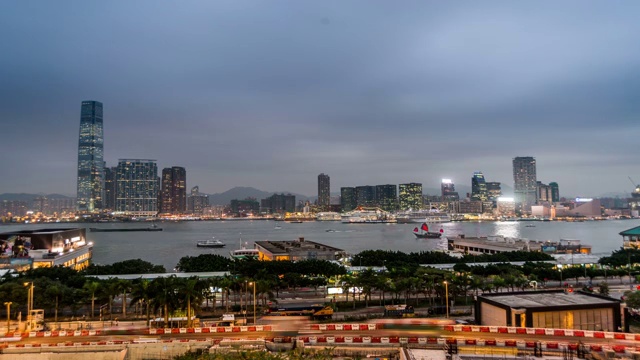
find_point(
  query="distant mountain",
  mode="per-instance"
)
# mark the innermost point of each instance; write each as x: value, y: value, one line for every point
x: 242, y: 193
x: 29, y: 197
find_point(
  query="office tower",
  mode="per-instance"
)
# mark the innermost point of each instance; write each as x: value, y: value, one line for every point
x: 137, y: 187
x: 544, y: 192
x: 494, y: 191
x: 348, y: 198
x: 366, y: 195
x: 279, y: 204
x: 555, y: 192
x: 324, y: 192
x: 196, y: 203
x: 410, y: 196
x: 387, y: 197
x: 174, y: 190
x: 90, y: 158
x: 525, y: 182
x: 479, y: 190
x: 449, y: 192
x: 110, y: 188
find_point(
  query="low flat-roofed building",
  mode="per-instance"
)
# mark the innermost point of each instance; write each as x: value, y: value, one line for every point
x: 554, y: 309
x: 631, y: 238
x: 486, y: 245
x: 294, y: 250
x: 25, y: 249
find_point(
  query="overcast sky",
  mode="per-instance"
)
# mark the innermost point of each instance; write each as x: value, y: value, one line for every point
x: 269, y: 94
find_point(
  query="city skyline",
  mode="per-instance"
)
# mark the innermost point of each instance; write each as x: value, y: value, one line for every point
x: 271, y: 95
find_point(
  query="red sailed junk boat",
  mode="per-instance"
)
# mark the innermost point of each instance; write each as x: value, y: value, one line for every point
x: 424, y: 233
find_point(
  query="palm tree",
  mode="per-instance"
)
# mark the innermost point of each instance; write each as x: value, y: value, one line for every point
x: 125, y: 286
x: 111, y: 290
x: 164, y: 296
x: 190, y: 290
x: 92, y: 287
x: 142, y: 291
x: 55, y: 290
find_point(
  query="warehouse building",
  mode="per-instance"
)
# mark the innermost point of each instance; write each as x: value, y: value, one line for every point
x: 555, y: 309
x: 294, y: 250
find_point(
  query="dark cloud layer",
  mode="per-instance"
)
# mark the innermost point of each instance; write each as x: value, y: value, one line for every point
x: 270, y: 94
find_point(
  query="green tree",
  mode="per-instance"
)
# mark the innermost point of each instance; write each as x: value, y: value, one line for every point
x: 191, y: 292
x: 92, y: 287
x: 142, y: 291
x: 632, y: 298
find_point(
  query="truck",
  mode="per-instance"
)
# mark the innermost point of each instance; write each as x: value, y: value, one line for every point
x: 316, y: 312
x: 398, y: 311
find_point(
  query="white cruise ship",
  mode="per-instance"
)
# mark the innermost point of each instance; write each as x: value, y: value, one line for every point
x: 367, y: 217
x: 422, y: 216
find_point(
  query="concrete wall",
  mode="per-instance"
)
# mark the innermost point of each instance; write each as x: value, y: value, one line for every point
x: 493, y: 315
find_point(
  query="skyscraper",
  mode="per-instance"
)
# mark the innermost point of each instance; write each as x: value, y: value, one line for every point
x: 448, y: 190
x: 196, y: 203
x: 109, y: 188
x: 410, y: 196
x: 387, y: 197
x: 366, y: 195
x: 494, y: 191
x: 137, y: 187
x: 555, y: 192
x: 479, y: 187
x: 90, y: 158
x: 348, y: 198
x: 525, y: 182
x: 324, y: 192
x: 174, y: 190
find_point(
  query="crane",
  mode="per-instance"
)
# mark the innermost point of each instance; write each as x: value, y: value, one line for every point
x: 632, y: 182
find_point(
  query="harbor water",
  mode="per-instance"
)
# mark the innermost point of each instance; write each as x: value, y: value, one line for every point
x: 178, y: 239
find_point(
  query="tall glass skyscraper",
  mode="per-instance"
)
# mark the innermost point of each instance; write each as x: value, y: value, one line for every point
x: 90, y: 158
x: 525, y: 182
x: 324, y: 192
x: 173, y: 194
x: 137, y: 187
x: 410, y: 196
x: 479, y: 187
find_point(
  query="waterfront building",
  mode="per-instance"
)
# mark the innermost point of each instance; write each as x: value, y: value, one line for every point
x: 494, y: 191
x: 137, y: 187
x: 110, y: 188
x: 248, y: 206
x: 52, y: 205
x: 30, y: 249
x: 90, y: 187
x: 196, y: 203
x: 279, y: 204
x: 14, y: 208
x: 387, y: 197
x: 470, y: 207
x: 410, y: 196
x: 581, y: 208
x: 448, y: 190
x: 525, y: 182
x: 554, y: 309
x: 348, y: 199
x: 631, y: 238
x: 506, y: 206
x: 544, y: 192
x: 324, y: 192
x: 296, y: 250
x: 479, y: 190
x: 173, y: 196
x: 366, y: 195
x: 555, y: 192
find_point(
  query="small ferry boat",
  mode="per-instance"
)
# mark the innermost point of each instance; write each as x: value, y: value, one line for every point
x: 213, y: 243
x: 244, y: 253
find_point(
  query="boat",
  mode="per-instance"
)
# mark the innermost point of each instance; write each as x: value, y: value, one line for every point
x: 153, y: 227
x: 213, y: 243
x: 363, y: 215
x: 529, y: 225
x: 424, y: 233
x: 278, y: 227
x: 244, y: 252
x: 420, y: 216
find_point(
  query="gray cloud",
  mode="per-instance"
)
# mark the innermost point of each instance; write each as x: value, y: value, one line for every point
x: 269, y: 94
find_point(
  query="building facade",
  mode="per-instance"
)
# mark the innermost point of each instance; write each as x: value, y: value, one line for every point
x: 324, y: 192
x: 366, y: 195
x: 137, y: 187
x: 279, y: 204
x: 544, y: 193
x: 173, y: 195
x: 525, y: 182
x: 196, y: 202
x: 410, y: 196
x: 348, y: 200
x: 555, y: 192
x: 110, y: 188
x: 387, y: 197
x: 90, y: 189
x: 479, y: 190
x: 448, y: 191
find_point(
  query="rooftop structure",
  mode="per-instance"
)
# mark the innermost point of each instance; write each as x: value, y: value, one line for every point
x: 549, y: 309
x: 25, y: 249
x: 631, y: 238
x: 499, y: 244
x: 299, y: 249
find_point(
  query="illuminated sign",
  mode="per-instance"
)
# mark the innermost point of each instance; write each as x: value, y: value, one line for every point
x: 334, y: 290
x: 584, y: 199
x: 505, y: 199
x: 446, y: 181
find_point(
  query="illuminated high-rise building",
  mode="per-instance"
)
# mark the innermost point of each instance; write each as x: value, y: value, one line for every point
x: 137, y: 187
x: 173, y: 195
x: 110, y: 188
x: 555, y: 192
x: 544, y: 192
x: 90, y: 190
x: 324, y: 192
x: 410, y: 196
x: 196, y: 202
x: 348, y: 198
x: 448, y: 190
x: 387, y: 197
x: 525, y: 182
x: 366, y: 195
x: 494, y: 190
x: 479, y: 187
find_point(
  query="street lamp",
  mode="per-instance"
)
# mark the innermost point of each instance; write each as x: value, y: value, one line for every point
x: 29, y: 303
x: 8, y: 303
x: 446, y: 295
x: 254, y: 301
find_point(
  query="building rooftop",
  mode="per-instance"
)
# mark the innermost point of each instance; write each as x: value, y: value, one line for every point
x: 38, y: 231
x: 536, y: 299
x: 286, y: 246
x: 633, y: 231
